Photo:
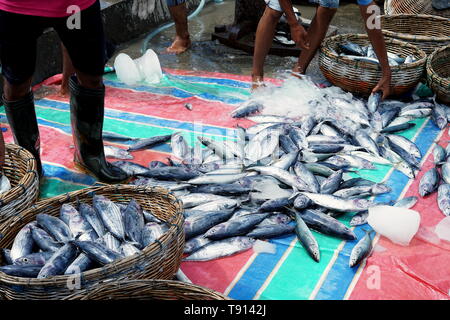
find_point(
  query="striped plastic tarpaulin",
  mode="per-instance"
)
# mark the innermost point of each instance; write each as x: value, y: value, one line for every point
x: 419, y: 271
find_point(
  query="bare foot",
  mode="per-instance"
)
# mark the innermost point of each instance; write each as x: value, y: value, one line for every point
x: 257, y: 82
x: 179, y: 45
x: 298, y: 72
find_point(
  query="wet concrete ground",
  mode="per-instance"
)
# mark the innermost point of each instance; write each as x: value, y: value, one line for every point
x: 208, y: 55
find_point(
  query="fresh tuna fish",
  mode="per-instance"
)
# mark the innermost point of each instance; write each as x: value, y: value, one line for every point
x: 59, y: 262
x: 200, y: 223
x: 23, y: 242
x: 38, y: 258
x: 306, y: 238
x: 325, y: 224
x: 28, y: 271
x: 443, y: 199
x: 110, y: 214
x: 117, y: 153
x: 78, y: 225
x: 194, y: 244
x: 98, y: 252
x: 221, y: 248
x: 133, y: 221
x: 142, y: 144
x: 271, y: 231
x: 152, y: 232
x: 235, y: 227
x: 429, y: 182
x: 91, y: 216
x: 44, y: 241
x: 361, y: 250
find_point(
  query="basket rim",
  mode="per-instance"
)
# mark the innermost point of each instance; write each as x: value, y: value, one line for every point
x: 410, y: 37
x: 432, y: 74
x: 71, y: 196
x: 27, y: 180
x: 84, y: 294
x: 348, y: 62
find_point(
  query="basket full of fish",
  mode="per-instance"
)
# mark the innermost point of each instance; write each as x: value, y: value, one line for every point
x: 426, y: 32
x: 77, y: 240
x: 349, y: 62
x: 19, y: 183
x: 288, y: 174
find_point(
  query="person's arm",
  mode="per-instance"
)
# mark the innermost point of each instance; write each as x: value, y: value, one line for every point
x: 377, y: 39
x: 298, y: 33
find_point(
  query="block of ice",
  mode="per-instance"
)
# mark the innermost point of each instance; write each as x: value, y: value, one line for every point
x: 146, y: 68
x: 149, y: 67
x: 397, y: 224
x: 442, y: 229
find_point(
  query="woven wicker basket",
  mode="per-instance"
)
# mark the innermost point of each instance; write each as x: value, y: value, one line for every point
x: 147, y: 290
x: 413, y: 7
x: 424, y: 31
x: 438, y: 73
x: 159, y: 260
x: 361, y: 77
x: 21, y: 169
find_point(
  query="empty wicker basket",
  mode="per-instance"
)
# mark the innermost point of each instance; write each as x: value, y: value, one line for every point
x: 159, y: 260
x: 360, y: 77
x: 147, y: 290
x: 438, y: 72
x: 413, y: 7
x: 21, y: 169
x: 424, y: 31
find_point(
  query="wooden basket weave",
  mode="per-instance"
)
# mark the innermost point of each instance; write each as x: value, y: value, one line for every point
x: 413, y: 7
x: 424, y: 31
x: 361, y: 77
x: 159, y: 260
x: 438, y: 73
x: 147, y: 290
x: 21, y: 169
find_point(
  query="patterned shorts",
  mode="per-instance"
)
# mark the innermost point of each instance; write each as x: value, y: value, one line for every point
x: 275, y: 4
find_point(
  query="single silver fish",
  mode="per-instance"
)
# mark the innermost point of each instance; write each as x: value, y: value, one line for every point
x: 221, y: 248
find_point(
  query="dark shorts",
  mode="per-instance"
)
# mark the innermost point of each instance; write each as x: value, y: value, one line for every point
x: 172, y: 3
x: 19, y: 34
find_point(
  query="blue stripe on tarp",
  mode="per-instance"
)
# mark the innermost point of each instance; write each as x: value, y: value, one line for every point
x: 175, y: 92
x: 54, y: 170
x: 340, y: 276
x: 218, y: 81
x: 260, y: 269
x: 144, y: 119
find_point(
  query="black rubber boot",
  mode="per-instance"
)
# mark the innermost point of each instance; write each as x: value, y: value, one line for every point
x: 22, y: 120
x: 86, y: 117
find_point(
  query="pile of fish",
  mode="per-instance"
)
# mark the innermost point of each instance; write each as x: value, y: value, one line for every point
x: 83, y: 237
x: 288, y: 175
x: 437, y: 179
x: 356, y: 52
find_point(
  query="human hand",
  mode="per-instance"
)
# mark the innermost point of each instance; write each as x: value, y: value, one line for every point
x: 384, y: 85
x: 300, y: 36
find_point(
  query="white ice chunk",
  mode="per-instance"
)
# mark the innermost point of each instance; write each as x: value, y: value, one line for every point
x: 126, y: 70
x: 428, y: 235
x: 397, y: 224
x: 146, y: 68
x: 264, y: 247
x: 442, y: 229
x: 149, y: 67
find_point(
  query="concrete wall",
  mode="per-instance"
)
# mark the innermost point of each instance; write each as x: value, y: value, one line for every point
x: 124, y: 20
